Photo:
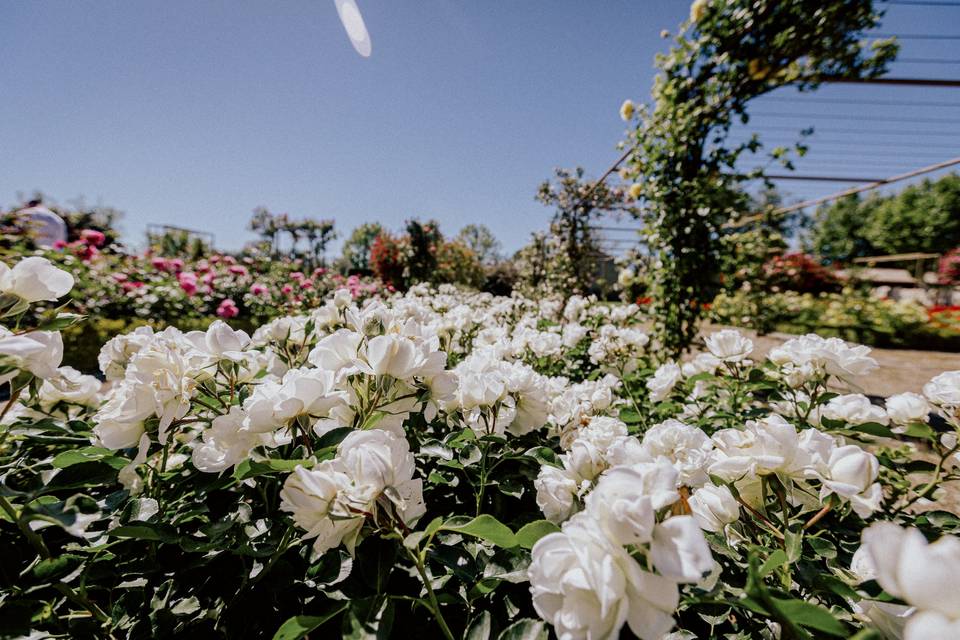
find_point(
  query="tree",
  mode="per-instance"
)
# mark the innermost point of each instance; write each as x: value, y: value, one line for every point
x: 479, y: 239
x: 838, y: 232
x: 684, y: 160
x: 923, y: 217
x: 570, y: 253
x: 356, y: 249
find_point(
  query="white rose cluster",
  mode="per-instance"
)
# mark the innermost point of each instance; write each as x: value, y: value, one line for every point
x: 371, y: 477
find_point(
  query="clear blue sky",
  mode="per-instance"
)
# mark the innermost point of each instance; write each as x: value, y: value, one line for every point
x: 193, y: 113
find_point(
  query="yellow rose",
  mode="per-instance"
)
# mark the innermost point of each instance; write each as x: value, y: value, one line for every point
x: 697, y: 9
x: 635, y: 190
x: 627, y: 109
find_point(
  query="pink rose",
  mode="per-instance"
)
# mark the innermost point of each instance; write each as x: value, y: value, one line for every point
x: 258, y: 289
x: 228, y: 309
x: 93, y: 237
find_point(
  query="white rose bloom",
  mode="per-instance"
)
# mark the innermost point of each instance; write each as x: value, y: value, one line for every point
x: 38, y: 352
x: 312, y: 496
x: 34, y: 279
x: 714, y: 507
x: 944, y: 392
x: 115, y: 355
x: 854, y: 408
x: 816, y: 356
x: 342, y: 298
x: 225, y: 443
x: 764, y: 446
x: 306, y: 392
x: 556, y: 493
x: 702, y: 363
x: 921, y: 574
x: 391, y: 355
x: 69, y: 385
x: 664, y: 379
x: 908, y: 407
x: 688, y: 448
x: 337, y: 352
x: 588, y: 587
x: 851, y: 474
x: 221, y: 341
x: 679, y: 551
x: 602, y: 432
x: 729, y: 345
x: 622, y: 508
x: 380, y: 463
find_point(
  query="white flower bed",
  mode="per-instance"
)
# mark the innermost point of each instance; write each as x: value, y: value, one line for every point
x: 457, y: 464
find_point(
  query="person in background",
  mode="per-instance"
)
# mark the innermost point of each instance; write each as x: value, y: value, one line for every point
x: 45, y: 227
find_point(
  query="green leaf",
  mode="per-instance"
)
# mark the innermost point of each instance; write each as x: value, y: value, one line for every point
x: 252, y: 468
x: 480, y: 628
x: 88, y: 454
x: 299, y: 626
x: 145, y: 531
x: 50, y: 568
x: 775, y: 560
x: 485, y: 527
x: 526, y: 629
x: 811, y: 616
x: 529, y: 533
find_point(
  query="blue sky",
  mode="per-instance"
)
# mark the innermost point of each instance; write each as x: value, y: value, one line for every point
x: 193, y: 113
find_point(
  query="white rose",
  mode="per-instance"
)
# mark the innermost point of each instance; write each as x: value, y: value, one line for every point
x: 688, y: 448
x: 337, y: 352
x: 380, y: 463
x: 312, y: 498
x: 944, y: 390
x: 663, y: 381
x: 854, y: 408
x: 714, y: 507
x: 220, y: 340
x: 621, y: 507
x: 851, y: 475
x: 69, y: 385
x: 729, y: 345
x: 391, y: 355
x: 908, y: 407
x: 556, y: 493
x: 34, y: 279
x: 921, y: 574
x: 679, y: 551
x: 225, y: 443
x: 587, y: 587
x: 38, y: 352
x: 342, y: 298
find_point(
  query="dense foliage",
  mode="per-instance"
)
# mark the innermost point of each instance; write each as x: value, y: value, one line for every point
x: 444, y: 464
x: 684, y: 161
x: 923, y: 217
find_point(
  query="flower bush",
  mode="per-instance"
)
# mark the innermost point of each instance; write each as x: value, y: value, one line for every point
x: 448, y: 464
x: 851, y: 315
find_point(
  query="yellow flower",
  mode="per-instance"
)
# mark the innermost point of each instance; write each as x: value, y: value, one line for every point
x: 757, y: 69
x: 635, y: 190
x: 697, y: 9
x: 626, y: 110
